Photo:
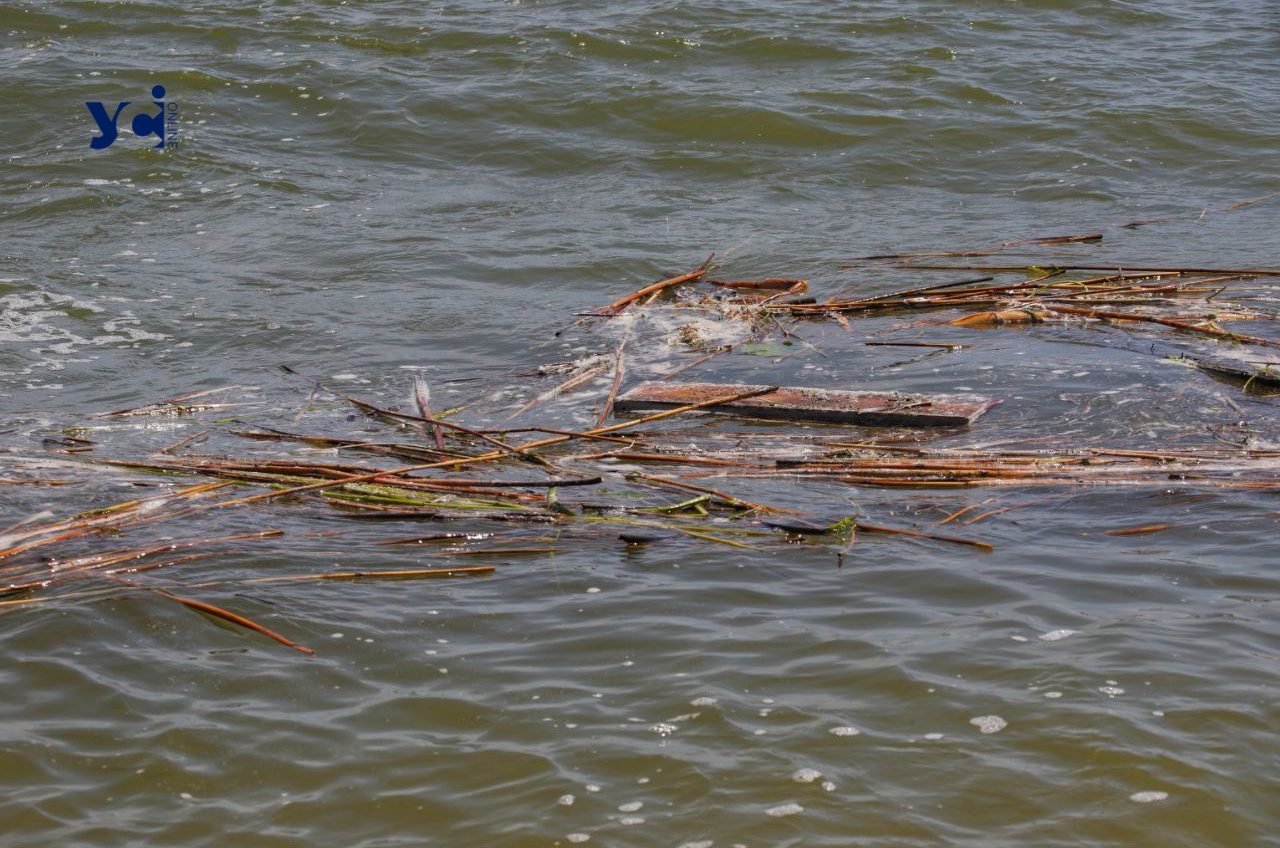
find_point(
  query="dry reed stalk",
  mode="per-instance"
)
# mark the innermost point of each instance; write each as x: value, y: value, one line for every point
x: 1216, y: 332
x: 607, y: 409
x: 622, y: 303
x: 388, y: 574
x: 422, y: 397
x: 898, y: 531
x: 233, y: 618
x: 574, y: 382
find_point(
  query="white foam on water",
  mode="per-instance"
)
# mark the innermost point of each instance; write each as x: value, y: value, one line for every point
x: 1057, y: 635
x: 565, y: 800
x: 578, y: 837
x: 663, y: 728
x: 806, y: 775
x: 845, y: 731
x: 591, y: 787
x: 933, y: 736
x: 630, y: 806
x: 703, y: 843
x: 630, y: 820
x: 702, y: 702
x: 1148, y: 797
x: 1111, y: 691
x: 828, y: 786
x: 989, y: 723
x: 783, y: 810
x: 1020, y: 638
x: 1053, y: 694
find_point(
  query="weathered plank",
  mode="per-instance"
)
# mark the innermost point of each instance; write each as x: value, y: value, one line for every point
x: 794, y: 403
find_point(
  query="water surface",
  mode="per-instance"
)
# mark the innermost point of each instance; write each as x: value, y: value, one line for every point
x: 369, y: 191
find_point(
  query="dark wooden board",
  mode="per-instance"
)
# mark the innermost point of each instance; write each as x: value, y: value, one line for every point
x: 795, y: 403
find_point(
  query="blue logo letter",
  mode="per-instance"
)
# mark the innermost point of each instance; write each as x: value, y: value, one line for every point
x: 105, y: 124
x: 145, y: 125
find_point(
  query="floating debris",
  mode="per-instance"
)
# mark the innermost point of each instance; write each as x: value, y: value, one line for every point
x: 1149, y: 796
x: 806, y: 775
x: 664, y: 477
x: 1056, y: 635
x: 807, y: 404
x: 989, y: 723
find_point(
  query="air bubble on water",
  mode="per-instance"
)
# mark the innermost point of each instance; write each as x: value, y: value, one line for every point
x: 806, y: 775
x: 1111, y: 691
x: 565, y: 800
x: 784, y: 810
x: 663, y: 728
x: 845, y: 731
x: 1056, y: 635
x: 630, y: 806
x: 702, y: 702
x: 1148, y: 796
x: 989, y: 723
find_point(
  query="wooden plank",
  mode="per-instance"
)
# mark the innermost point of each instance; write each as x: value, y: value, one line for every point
x: 1253, y: 373
x: 794, y: 403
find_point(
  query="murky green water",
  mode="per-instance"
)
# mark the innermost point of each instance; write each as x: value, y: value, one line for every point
x: 369, y: 191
